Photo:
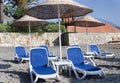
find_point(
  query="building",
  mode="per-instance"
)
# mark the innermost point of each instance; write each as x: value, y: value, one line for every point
x: 107, y: 28
x: 107, y: 33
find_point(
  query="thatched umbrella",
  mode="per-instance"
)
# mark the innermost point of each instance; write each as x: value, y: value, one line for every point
x: 6, y: 18
x: 86, y: 21
x: 30, y: 22
x: 50, y: 9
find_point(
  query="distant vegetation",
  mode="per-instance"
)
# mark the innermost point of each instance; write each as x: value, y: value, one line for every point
x: 5, y: 28
x: 52, y: 27
x: 15, y: 9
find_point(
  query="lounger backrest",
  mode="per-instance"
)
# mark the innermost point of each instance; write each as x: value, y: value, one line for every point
x: 75, y: 55
x: 20, y: 51
x: 46, y: 47
x: 38, y: 57
x: 74, y: 45
x: 94, y: 48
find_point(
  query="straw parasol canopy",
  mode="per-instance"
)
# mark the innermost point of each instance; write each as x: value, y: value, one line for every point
x: 87, y: 21
x: 22, y: 22
x: 49, y: 9
x: 29, y: 21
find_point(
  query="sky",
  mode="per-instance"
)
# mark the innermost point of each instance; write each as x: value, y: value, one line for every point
x: 108, y: 10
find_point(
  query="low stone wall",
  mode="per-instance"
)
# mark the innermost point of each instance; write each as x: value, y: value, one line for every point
x: 98, y: 38
x: 13, y: 39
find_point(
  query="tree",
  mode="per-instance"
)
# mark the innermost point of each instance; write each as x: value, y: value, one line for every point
x: 1, y: 11
x: 15, y: 8
x: 24, y: 3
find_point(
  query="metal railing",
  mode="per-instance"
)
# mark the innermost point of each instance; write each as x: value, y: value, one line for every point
x: 108, y: 22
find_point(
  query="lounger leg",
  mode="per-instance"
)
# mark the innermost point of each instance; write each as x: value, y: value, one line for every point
x: 19, y: 60
x: 36, y: 79
x: 75, y: 72
x: 69, y: 68
x: 113, y: 55
x: 102, y: 74
x: 92, y: 62
x: 58, y: 78
x: 15, y: 58
x: 31, y: 76
x: 84, y: 74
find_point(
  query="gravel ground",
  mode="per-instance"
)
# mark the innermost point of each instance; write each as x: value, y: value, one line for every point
x: 13, y: 72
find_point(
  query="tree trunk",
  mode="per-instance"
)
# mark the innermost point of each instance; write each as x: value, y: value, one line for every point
x: 1, y: 11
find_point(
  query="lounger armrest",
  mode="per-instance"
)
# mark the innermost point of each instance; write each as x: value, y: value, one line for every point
x: 95, y: 53
x: 53, y: 65
x: 104, y: 51
x: 51, y: 54
x: 84, y: 52
x: 16, y: 55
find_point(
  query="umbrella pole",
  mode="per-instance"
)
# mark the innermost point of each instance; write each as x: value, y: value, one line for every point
x: 87, y: 38
x: 29, y: 33
x: 59, y: 33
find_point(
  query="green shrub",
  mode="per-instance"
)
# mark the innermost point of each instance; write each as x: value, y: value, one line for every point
x: 5, y: 28
x: 53, y: 27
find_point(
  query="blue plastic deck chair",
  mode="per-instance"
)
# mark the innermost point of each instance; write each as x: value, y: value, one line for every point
x: 88, y: 57
x: 76, y: 56
x: 100, y: 53
x: 39, y: 65
x: 51, y: 56
x: 20, y: 54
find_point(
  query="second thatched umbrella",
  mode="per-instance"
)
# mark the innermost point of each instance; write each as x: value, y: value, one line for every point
x: 87, y: 21
x: 30, y: 22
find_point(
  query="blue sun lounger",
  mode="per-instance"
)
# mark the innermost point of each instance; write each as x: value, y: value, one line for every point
x: 20, y: 54
x: 51, y: 56
x: 75, y: 54
x: 100, y: 53
x: 39, y: 65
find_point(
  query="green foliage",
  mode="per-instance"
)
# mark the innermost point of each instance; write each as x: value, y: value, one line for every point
x: 16, y: 10
x: 38, y: 29
x: 20, y: 29
x: 26, y: 29
x: 6, y: 10
x: 53, y: 27
x: 5, y: 28
x: 18, y: 13
x: 13, y: 10
x: 63, y: 29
